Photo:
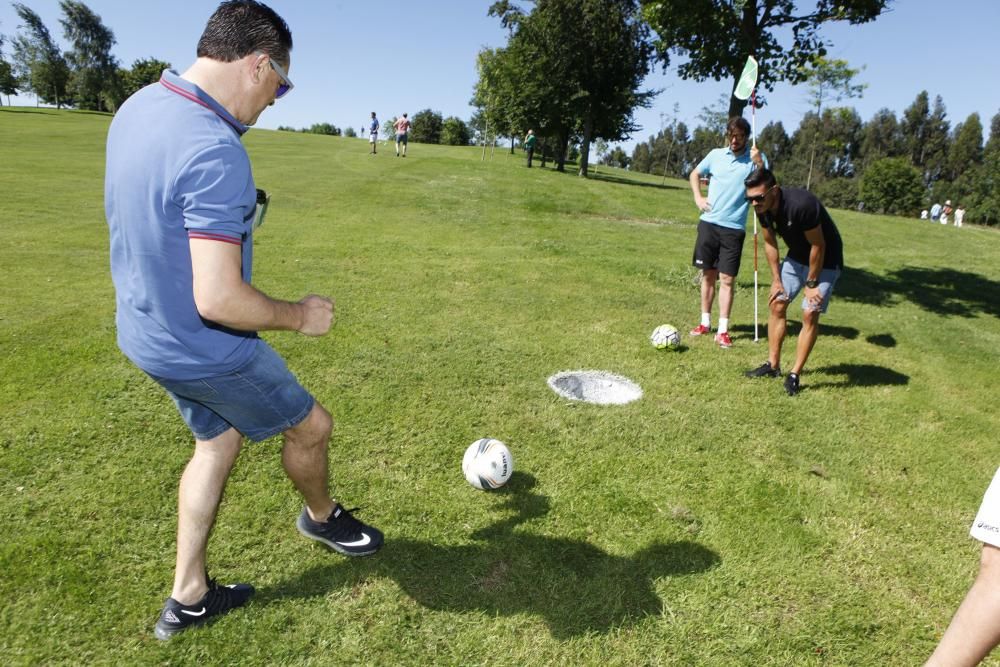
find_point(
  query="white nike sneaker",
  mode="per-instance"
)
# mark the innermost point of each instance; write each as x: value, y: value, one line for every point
x: 341, y: 532
x: 219, y: 600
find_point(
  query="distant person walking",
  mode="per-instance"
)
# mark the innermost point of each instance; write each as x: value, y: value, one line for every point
x: 529, y: 145
x: 975, y: 629
x: 722, y: 227
x: 935, y: 212
x: 402, y: 130
x: 373, y: 126
x: 814, y: 261
x: 182, y: 207
x: 959, y: 215
x: 945, y: 212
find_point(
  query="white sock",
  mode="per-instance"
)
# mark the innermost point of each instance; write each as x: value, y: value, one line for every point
x: 723, y: 325
x: 706, y: 320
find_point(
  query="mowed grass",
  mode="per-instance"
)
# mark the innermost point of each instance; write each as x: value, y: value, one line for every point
x: 715, y: 521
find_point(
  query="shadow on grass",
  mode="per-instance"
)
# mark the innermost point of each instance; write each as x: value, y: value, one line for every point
x: 941, y: 291
x: 610, y: 178
x: 882, y: 340
x: 9, y: 110
x: 573, y: 586
x: 949, y: 292
x: 859, y: 375
x: 793, y: 328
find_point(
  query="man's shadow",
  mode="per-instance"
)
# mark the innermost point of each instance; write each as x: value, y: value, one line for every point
x: 573, y: 586
x: 859, y: 375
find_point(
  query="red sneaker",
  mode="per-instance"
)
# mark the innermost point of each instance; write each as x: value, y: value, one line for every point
x: 723, y: 340
x: 699, y: 330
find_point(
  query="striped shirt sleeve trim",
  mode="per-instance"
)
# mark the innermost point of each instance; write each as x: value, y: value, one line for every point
x: 208, y: 236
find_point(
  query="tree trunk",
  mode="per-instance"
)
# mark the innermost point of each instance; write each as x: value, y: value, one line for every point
x: 562, y: 143
x: 588, y: 128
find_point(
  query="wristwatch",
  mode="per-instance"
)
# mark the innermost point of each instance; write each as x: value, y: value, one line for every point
x: 812, y: 284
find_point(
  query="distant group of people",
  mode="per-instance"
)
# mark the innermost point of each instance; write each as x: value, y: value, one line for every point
x: 401, y: 127
x: 939, y: 213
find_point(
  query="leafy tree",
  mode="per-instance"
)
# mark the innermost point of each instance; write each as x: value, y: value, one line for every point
x: 324, y: 128
x: 983, y: 200
x: 454, y: 132
x: 8, y: 82
x: 574, y: 68
x: 389, y: 129
x: 926, y: 134
x: 350, y: 132
x: 892, y: 185
x: 966, y: 150
x: 94, y: 83
x: 617, y: 158
x: 426, y: 127
x: 716, y: 36
x: 38, y: 65
x: 142, y: 73
x: 775, y: 143
x: 881, y: 137
x: 641, y: 160
x: 502, y: 111
x: 828, y: 79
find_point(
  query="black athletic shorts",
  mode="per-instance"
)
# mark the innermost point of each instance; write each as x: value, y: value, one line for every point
x: 718, y: 248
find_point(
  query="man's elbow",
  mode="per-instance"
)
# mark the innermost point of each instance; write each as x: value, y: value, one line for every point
x: 211, y: 303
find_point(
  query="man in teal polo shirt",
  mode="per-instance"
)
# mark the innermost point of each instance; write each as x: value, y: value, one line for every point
x: 722, y: 228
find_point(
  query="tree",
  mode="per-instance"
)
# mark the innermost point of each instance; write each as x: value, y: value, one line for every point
x: 716, y: 36
x: 892, y: 185
x: 454, y: 132
x: 775, y: 143
x: 94, y: 83
x: 426, y: 127
x: 8, y: 82
x: 828, y: 79
x: 926, y: 136
x: 324, y: 128
x: 573, y: 69
x: 617, y: 158
x: 38, y: 65
x: 881, y: 137
x: 142, y: 73
x: 350, y: 132
x: 966, y: 150
x: 502, y: 110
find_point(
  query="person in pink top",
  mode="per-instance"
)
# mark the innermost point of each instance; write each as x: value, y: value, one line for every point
x: 402, y: 127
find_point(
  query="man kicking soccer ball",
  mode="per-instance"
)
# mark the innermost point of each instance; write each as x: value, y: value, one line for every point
x: 815, y: 259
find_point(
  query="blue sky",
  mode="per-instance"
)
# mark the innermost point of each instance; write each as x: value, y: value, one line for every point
x: 351, y: 58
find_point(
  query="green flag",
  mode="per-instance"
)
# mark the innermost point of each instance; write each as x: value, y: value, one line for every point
x: 748, y: 80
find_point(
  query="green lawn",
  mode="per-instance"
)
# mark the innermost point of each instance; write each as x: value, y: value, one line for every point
x: 714, y: 522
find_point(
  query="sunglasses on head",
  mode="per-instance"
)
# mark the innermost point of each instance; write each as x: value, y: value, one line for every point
x: 286, y: 83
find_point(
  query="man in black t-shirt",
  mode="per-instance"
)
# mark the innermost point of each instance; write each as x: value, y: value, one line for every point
x: 814, y: 261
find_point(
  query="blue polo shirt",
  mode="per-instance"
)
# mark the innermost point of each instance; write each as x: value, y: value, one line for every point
x: 726, y: 192
x: 175, y: 170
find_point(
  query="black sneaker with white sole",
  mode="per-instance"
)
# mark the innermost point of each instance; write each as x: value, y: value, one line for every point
x: 792, y: 384
x: 341, y: 532
x: 219, y: 600
x: 765, y: 370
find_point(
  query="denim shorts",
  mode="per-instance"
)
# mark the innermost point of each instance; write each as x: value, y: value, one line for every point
x: 793, y: 279
x: 259, y: 399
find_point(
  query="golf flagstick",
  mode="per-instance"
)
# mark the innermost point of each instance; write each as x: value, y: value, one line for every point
x: 756, y: 297
x: 746, y: 88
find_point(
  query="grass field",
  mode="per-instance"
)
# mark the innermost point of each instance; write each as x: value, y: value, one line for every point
x: 714, y: 522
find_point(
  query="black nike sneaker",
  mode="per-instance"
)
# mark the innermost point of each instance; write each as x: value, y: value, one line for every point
x: 792, y: 384
x: 341, y: 532
x: 765, y: 370
x: 219, y: 600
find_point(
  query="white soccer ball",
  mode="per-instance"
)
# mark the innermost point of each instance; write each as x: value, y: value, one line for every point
x: 487, y: 464
x: 665, y: 337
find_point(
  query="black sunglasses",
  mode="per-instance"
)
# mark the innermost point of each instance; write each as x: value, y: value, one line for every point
x: 757, y: 199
